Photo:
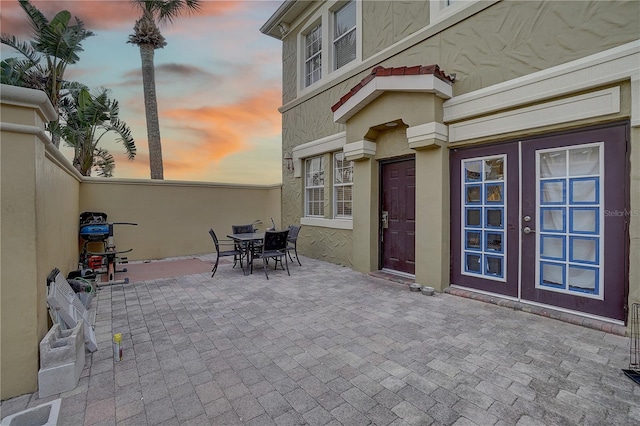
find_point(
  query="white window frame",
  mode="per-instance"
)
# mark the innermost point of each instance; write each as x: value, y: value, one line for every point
x: 568, y: 233
x: 336, y: 185
x: 322, y: 146
x: 324, y: 16
x: 483, y: 229
x: 439, y: 10
x: 334, y: 40
x: 319, y: 53
x: 307, y: 174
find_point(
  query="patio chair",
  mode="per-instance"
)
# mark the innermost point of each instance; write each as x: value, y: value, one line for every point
x: 292, y: 242
x: 222, y: 253
x: 274, y: 246
x: 242, y: 229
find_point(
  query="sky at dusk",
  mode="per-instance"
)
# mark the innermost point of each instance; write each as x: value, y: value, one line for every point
x: 218, y: 83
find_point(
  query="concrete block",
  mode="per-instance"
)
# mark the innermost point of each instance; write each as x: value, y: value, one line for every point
x: 62, y: 356
x: 42, y: 415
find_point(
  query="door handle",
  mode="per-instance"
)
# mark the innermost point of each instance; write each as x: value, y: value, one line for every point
x: 385, y: 219
x: 528, y: 230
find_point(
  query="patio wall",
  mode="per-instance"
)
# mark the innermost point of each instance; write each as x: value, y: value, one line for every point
x: 42, y: 198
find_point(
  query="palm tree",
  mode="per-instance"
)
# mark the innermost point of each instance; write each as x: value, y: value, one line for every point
x: 84, y: 119
x: 148, y: 38
x: 58, y: 42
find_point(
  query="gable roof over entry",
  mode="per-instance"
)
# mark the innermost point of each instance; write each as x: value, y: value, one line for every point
x: 418, y: 78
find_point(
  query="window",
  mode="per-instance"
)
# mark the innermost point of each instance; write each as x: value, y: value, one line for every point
x: 330, y: 44
x: 344, y: 35
x: 342, y: 186
x: 314, y: 187
x: 313, y: 56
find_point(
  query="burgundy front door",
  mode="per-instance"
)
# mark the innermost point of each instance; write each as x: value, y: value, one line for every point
x: 545, y: 220
x: 397, y: 220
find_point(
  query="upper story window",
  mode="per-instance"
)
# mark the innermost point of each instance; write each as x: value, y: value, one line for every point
x: 313, y: 56
x: 314, y: 186
x: 342, y: 186
x: 330, y: 44
x: 344, y: 35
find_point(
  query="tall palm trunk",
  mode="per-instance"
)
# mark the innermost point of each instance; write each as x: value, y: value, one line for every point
x: 151, y: 109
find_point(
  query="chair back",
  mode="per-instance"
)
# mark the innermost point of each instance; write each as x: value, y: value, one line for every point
x: 215, y: 239
x: 242, y: 229
x: 294, y: 230
x: 275, y: 240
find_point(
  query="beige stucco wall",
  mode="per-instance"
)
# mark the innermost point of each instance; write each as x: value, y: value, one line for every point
x: 387, y: 22
x: 38, y: 213
x: 174, y: 217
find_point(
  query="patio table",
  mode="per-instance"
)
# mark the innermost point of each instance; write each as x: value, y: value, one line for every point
x: 248, y: 240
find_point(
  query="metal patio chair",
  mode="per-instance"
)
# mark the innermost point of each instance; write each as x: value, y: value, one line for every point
x: 223, y: 253
x: 292, y: 242
x: 274, y: 246
x: 243, y: 247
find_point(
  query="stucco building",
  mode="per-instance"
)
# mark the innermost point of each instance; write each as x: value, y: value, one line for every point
x: 489, y: 145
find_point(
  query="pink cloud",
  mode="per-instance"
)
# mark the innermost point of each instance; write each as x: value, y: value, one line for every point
x: 97, y: 14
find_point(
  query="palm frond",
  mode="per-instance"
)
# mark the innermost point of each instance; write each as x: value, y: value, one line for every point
x: 103, y: 163
x: 24, y: 47
x: 36, y: 18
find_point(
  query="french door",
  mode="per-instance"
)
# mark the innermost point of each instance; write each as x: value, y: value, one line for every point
x: 543, y: 220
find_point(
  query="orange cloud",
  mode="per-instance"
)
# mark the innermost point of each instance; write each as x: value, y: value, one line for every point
x: 222, y: 131
x: 194, y: 140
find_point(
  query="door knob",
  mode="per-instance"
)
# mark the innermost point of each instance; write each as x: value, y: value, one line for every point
x: 528, y: 230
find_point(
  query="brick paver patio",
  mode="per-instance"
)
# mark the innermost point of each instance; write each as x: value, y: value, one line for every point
x: 330, y: 346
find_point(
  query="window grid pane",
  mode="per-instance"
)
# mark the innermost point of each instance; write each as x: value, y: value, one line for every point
x: 313, y: 56
x: 344, y: 37
x: 343, y: 186
x: 314, y: 186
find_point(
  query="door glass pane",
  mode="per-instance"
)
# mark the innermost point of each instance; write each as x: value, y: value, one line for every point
x: 494, y: 266
x: 552, y: 220
x: 472, y: 171
x: 552, y: 274
x: 494, y: 218
x: 472, y: 263
x: 584, y: 191
x: 552, y: 247
x: 494, y: 241
x: 493, y: 193
x: 474, y: 193
x: 474, y: 217
x: 552, y: 192
x: 584, y: 220
x: 494, y: 169
x: 584, y: 161
x: 553, y: 164
x: 584, y: 249
x: 473, y: 241
x: 570, y: 203
x: 583, y: 278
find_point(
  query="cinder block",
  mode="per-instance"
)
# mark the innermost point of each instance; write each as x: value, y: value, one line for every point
x: 42, y: 415
x: 62, y: 355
